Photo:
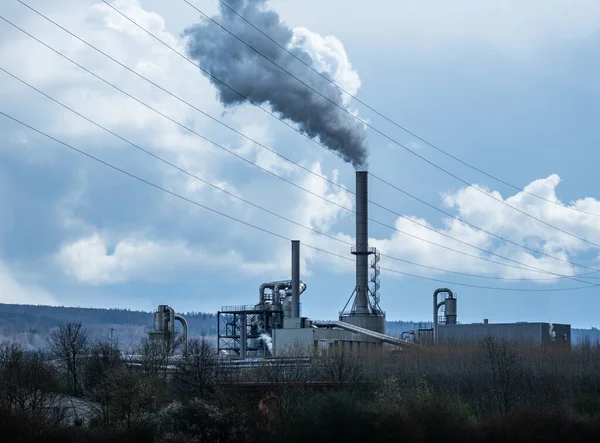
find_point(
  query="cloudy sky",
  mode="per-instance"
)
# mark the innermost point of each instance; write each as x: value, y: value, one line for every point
x: 507, y: 87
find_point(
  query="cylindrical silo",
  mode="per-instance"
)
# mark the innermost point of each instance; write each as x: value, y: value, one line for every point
x: 450, y: 310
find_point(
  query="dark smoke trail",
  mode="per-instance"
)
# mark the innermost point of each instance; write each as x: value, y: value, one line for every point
x: 248, y: 73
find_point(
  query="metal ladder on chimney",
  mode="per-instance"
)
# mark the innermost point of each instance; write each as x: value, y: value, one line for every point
x: 375, y: 283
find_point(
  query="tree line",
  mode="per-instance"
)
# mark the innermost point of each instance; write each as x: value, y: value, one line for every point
x: 493, y: 390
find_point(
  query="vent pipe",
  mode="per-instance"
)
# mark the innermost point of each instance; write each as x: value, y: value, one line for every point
x: 362, y: 243
x: 184, y: 325
x: 295, y: 278
x: 437, y: 306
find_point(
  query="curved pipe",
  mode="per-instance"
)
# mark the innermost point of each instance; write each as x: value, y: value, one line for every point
x: 184, y: 325
x: 261, y: 291
x: 276, y: 286
x: 302, y: 287
x: 436, y: 308
x: 282, y: 286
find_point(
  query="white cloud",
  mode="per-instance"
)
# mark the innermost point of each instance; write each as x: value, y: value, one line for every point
x: 121, y: 254
x: 133, y: 259
x: 18, y: 290
x: 329, y: 56
x: 136, y: 257
x: 473, y: 207
x: 89, y: 261
x: 506, y: 25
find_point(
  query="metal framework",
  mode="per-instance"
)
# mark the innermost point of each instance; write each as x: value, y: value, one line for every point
x: 244, y: 331
x: 373, y: 290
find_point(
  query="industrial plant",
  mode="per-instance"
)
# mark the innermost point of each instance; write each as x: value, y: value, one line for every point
x: 446, y: 328
x: 274, y: 327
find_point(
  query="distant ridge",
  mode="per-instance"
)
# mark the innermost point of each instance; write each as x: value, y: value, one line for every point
x: 30, y: 325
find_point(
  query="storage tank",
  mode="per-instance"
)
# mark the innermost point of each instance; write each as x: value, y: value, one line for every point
x: 450, y: 310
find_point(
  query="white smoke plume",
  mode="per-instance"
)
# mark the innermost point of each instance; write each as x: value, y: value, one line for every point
x: 268, y: 341
x: 552, y: 332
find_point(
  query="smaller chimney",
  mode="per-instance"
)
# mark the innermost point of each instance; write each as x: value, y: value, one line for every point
x: 295, y: 278
x: 485, y: 321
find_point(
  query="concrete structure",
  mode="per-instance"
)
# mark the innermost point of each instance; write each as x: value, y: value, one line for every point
x: 364, y: 311
x: 534, y: 333
x: 445, y: 327
x: 319, y: 341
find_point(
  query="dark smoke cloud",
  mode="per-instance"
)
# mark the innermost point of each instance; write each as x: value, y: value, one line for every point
x: 249, y: 73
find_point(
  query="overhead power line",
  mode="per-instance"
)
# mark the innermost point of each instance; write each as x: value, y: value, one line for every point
x: 531, y: 268
x: 299, y: 165
x: 267, y: 231
x: 440, y: 168
x: 388, y: 119
x: 89, y: 120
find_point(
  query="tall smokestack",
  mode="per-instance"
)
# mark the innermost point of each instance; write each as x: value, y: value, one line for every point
x: 295, y: 278
x: 365, y: 313
x: 362, y: 242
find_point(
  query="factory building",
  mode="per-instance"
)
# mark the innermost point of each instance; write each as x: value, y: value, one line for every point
x: 274, y: 326
x: 447, y: 329
x: 523, y: 332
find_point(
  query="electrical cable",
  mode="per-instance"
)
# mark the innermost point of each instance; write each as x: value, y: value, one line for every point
x: 307, y: 169
x: 249, y: 202
x: 531, y: 268
x: 174, y: 194
x: 388, y: 119
x: 382, y: 133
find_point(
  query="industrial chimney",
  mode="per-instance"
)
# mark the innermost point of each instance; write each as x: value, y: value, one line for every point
x: 363, y: 313
x: 295, y: 278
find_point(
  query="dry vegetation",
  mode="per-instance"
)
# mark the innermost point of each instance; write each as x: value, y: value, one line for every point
x: 482, y: 392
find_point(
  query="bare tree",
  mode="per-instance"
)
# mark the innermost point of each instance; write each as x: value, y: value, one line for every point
x: 27, y: 387
x: 134, y: 396
x: 102, y: 362
x: 342, y: 367
x: 196, y: 370
x: 155, y: 357
x: 68, y: 344
x: 503, y: 365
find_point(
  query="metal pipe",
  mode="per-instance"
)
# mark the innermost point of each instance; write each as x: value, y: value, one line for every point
x: 436, y: 308
x: 286, y: 285
x: 362, y: 243
x: 282, y: 286
x: 171, y: 329
x: 243, y: 335
x: 184, y: 325
x: 261, y: 291
x: 295, y: 278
